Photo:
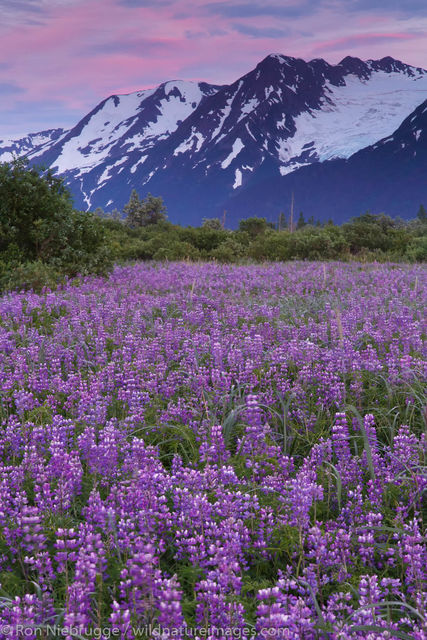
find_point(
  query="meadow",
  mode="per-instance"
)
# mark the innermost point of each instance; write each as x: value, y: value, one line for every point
x: 208, y: 450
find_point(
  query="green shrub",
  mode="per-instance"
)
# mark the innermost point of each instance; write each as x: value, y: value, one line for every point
x: 417, y: 250
x: 177, y: 250
x: 206, y: 239
x: 229, y: 251
x: 254, y: 226
x: 30, y: 275
x: 38, y: 226
x: 271, y: 246
x: 84, y: 247
x: 318, y: 243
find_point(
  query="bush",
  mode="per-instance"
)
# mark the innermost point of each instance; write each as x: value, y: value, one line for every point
x: 84, y: 248
x: 229, y: 251
x: 39, y: 227
x: 177, y: 250
x: 34, y: 211
x: 369, y: 232
x: 30, y: 275
x: 417, y: 250
x: 272, y: 246
x: 316, y: 243
x: 206, y: 239
x: 366, y: 238
x: 254, y: 226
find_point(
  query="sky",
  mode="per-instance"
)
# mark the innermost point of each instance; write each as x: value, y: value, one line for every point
x: 60, y: 58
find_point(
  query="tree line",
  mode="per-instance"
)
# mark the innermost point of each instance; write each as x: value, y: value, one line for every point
x: 43, y: 239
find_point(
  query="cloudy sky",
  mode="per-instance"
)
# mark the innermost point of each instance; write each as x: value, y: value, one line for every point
x: 59, y: 58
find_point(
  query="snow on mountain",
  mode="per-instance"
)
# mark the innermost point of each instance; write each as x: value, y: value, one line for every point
x: 200, y: 146
x: 26, y: 145
x: 364, y: 111
x: 299, y: 113
x: 119, y: 133
x: 138, y: 120
x: 283, y: 115
x: 389, y: 176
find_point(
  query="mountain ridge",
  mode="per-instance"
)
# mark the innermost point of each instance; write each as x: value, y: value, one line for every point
x: 210, y: 144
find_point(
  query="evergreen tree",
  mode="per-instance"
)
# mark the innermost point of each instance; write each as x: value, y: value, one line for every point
x: 155, y: 210
x: 301, y: 221
x: 134, y: 211
x: 422, y: 214
x: 282, y: 223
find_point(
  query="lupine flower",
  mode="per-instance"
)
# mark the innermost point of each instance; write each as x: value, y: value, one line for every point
x: 198, y: 464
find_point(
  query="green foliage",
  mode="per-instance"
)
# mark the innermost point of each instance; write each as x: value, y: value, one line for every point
x: 29, y: 275
x: 366, y: 238
x: 177, y: 250
x: 141, y: 213
x: 206, y: 239
x: 254, y: 226
x: 84, y: 249
x: 374, y: 232
x: 422, y: 214
x: 231, y: 250
x: 417, y: 250
x: 212, y: 223
x: 33, y: 210
x: 41, y: 237
x: 282, y: 222
x: 301, y: 221
x: 316, y: 243
x: 271, y: 246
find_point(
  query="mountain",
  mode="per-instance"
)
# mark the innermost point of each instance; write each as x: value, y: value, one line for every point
x: 242, y: 147
x: 21, y: 146
x: 115, y: 139
x: 389, y: 176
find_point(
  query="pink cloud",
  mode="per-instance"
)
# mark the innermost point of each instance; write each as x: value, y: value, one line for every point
x: 84, y: 50
x: 365, y: 40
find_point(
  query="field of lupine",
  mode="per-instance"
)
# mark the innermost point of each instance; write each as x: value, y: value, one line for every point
x: 208, y: 451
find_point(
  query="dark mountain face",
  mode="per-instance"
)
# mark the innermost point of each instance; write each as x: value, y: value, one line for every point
x: 286, y: 125
x: 390, y: 177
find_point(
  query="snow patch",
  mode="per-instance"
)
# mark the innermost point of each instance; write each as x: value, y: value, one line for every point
x: 225, y: 113
x: 237, y: 147
x: 192, y: 143
x: 248, y: 107
x: 356, y: 115
x: 237, y: 179
x: 107, y: 171
x: 118, y: 114
x: 285, y: 169
x: 268, y: 92
x: 141, y: 160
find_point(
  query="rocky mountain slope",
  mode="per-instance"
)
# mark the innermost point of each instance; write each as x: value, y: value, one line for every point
x: 286, y: 125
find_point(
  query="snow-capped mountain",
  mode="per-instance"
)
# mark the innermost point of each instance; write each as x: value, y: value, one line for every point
x: 116, y: 137
x: 389, y: 176
x: 23, y: 146
x: 203, y: 147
